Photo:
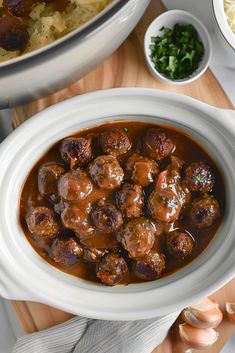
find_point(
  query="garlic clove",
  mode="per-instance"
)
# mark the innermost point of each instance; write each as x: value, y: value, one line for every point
x: 197, y: 338
x: 205, y: 305
x: 203, y: 319
x: 230, y: 308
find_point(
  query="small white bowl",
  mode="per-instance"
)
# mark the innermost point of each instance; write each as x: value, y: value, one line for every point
x: 169, y: 19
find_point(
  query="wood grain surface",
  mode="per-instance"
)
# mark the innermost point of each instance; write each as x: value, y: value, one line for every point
x: 126, y: 68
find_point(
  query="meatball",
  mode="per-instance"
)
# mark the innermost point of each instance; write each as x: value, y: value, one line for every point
x: 138, y: 236
x: 157, y: 144
x: 184, y: 196
x: 73, y: 218
x: 204, y: 211
x: 41, y: 221
x: 48, y: 176
x: 141, y: 170
x: 76, y: 151
x: 164, y: 205
x: 66, y: 252
x: 179, y: 244
x: 115, y: 142
x: 170, y: 179
x: 13, y: 33
x: 150, y: 266
x: 18, y: 8
x: 106, y: 172
x: 75, y: 185
x: 94, y: 254
x: 171, y: 176
x: 111, y: 269
x: 198, y: 176
x: 130, y: 200
x: 106, y: 218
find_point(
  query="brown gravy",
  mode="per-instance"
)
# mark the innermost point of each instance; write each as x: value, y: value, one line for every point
x: 186, y: 149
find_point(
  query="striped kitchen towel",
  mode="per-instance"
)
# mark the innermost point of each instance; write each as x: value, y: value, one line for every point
x: 82, y: 335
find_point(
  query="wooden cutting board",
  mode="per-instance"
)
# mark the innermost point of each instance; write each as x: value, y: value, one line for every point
x: 126, y: 67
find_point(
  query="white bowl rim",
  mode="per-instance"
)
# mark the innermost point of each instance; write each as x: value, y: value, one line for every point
x: 22, y: 282
x: 201, y: 70
x: 221, y: 20
x: 81, y: 33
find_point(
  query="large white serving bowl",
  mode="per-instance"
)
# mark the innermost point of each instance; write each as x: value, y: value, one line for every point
x: 224, y: 33
x: 25, y: 275
x: 63, y: 62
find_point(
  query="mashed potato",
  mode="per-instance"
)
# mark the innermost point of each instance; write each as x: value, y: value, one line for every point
x: 45, y: 25
x: 229, y: 7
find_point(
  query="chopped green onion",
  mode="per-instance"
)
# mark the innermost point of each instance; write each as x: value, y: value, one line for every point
x: 198, y: 178
x: 177, y: 52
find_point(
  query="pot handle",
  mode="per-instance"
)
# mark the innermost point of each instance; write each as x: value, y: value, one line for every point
x: 9, y: 290
x: 5, y: 291
x: 226, y: 119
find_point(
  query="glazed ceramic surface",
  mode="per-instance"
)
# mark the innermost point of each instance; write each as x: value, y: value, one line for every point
x: 25, y: 275
x: 55, y: 66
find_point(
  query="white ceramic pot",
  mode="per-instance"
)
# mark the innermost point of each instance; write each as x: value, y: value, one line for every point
x: 223, y: 32
x: 25, y: 275
x: 57, y: 65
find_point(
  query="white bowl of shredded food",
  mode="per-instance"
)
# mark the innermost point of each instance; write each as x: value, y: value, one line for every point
x: 229, y: 7
x: 224, y: 11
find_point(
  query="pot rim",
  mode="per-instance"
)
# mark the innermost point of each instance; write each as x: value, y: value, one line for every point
x: 80, y: 34
x: 24, y: 275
